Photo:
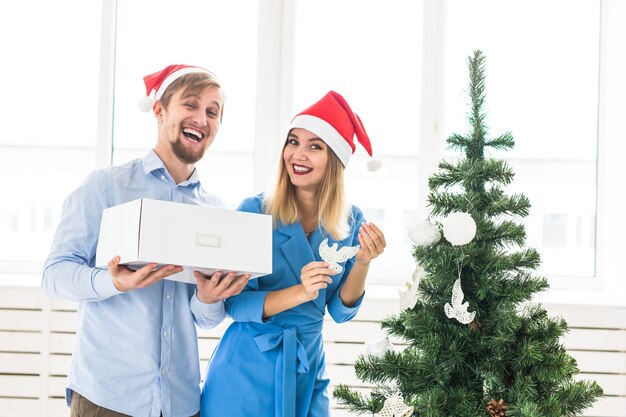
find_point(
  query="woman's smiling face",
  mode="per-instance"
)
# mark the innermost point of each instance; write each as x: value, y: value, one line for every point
x: 306, y: 158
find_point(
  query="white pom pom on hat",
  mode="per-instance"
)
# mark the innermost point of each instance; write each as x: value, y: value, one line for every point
x: 374, y: 164
x: 332, y: 119
x: 160, y: 80
x: 145, y: 104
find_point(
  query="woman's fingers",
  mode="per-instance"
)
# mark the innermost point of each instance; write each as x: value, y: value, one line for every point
x: 372, y: 240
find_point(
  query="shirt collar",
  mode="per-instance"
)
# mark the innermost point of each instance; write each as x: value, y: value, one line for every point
x: 151, y: 162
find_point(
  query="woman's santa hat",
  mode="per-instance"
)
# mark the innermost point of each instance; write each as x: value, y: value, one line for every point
x: 160, y: 80
x: 332, y: 119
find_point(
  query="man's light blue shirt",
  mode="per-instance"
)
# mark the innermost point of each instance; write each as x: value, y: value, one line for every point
x: 135, y: 352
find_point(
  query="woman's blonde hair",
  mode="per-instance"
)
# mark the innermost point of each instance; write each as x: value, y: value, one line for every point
x: 332, y: 209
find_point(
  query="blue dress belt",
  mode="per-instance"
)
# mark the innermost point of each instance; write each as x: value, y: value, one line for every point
x: 293, y: 353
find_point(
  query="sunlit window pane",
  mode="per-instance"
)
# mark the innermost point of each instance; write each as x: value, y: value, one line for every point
x: 50, y: 84
x: 542, y: 63
x: 370, y: 53
x: 220, y: 36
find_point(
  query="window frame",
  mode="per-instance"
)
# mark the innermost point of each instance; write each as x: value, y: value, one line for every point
x: 273, y: 109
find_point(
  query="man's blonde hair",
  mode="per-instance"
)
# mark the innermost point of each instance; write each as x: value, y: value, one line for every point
x: 192, y: 84
x: 332, y: 210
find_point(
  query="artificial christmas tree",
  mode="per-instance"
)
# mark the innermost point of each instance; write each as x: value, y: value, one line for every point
x: 476, y: 345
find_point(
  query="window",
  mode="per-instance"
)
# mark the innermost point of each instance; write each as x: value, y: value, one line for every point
x: 542, y: 85
x: 559, y: 91
x: 50, y: 87
x: 217, y: 35
x: 370, y: 53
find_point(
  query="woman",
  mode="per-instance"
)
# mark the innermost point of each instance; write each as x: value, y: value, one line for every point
x: 270, y: 361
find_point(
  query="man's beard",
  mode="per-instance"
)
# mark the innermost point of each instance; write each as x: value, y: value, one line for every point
x: 185, y: 155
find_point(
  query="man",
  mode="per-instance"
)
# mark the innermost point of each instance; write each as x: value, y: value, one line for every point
x: 136, y: 351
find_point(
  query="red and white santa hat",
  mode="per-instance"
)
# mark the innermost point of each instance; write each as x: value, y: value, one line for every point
x: 332, y: 119
x: 160, y: 80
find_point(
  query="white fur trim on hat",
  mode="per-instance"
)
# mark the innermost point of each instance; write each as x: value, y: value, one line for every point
x: 173, y: 76
x: 326, y: 132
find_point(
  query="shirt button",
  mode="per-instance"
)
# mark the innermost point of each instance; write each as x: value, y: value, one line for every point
x: 162, y: 371
x: 165, y: 334
x: 162, y: 177
x: 168, y: 296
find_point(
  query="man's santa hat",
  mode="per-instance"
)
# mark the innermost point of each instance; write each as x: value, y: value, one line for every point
x: 332, y: 119
x: 160, y: 80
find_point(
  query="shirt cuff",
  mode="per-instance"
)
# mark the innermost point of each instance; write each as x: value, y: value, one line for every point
x: 103, y: 283
x: 207, y: 315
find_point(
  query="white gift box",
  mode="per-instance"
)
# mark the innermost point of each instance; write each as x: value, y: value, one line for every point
x: 199, y: 238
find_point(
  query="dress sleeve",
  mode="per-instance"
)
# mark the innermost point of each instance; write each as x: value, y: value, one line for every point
x: 248, y: 305
x: 69, y: 271
x: 336, y: 308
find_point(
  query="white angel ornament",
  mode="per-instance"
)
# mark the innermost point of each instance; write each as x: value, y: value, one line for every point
x: 395, y: 407
x: 458, y: 309
x: 408, y: 298
x: 334, y: 256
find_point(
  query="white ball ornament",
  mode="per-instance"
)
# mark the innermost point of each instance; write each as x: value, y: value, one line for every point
x: 459, y: 228
x: 424, y: 233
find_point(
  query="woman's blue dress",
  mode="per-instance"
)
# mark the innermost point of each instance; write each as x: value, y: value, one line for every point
x: 276, y: 367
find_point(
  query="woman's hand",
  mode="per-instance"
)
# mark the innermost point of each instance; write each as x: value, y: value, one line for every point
x: 372, y: 241
x: 314, y: 277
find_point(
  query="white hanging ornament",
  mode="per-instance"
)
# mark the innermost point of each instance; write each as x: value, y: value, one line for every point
x: 395, y: 407
x: 378, y: 347
x: 458, y: 309
x: 333, y: 256
x: 408, y: 298
x: 459, y: 228
x: 424, y: 233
